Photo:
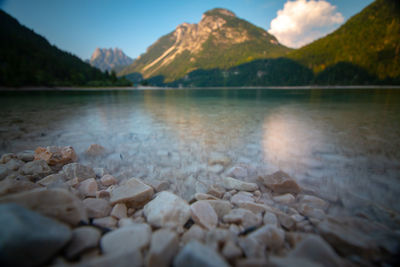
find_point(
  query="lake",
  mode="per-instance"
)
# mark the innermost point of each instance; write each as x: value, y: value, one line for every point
x: 342, y: 145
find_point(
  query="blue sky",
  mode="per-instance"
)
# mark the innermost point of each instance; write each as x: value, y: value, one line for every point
x: 79, y: 26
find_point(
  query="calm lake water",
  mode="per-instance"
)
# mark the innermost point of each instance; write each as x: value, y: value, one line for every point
x: 342, y: 144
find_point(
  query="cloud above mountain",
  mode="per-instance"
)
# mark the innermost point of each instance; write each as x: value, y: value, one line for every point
x: 302, y: 21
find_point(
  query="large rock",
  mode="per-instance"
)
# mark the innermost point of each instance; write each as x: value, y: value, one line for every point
x: 54, y: 155
x: 97, y: 207
x: 195, y: 254
x: 28, y: 238
x: 134, y: 237
x: 167, y: 210
x: 78, y: 171
x: 35, y: 170
x: 12, y: 186
x: 280, y: 182
x: 83, y: 238
x: 133, y: 192
x: 56, y: 203
x: 204, y: 214
x: 231, y: 183
x: 163, y: 248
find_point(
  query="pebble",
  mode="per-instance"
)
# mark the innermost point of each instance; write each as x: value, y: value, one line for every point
x: 280, y: 182
x: 119, y: 211
x: 52, y: 179
x: 285, y: 198
x: 244, y: 217
x: 195, y: 254
x: 12, y: 186
x: 107, y: 222
x: 59, y: 204
x: 270, y: 236
x: 231, y: 251
x: 204, y: 214
x: 88, y: 187
x: 167, y: 210
x: 164, y: 246
x: 202, y: 196
x: 97, y: 207
x: 194, y: 233
x: 216, y: 190
x: 108, y: 180
x: 78, y: 171
x: 134, y: 237
x: 95, y: 150
x: 230, y: 183
x: 221, y: 207
x: 133, y: 258
x: 242, y: 197
x: 56, y: 155
x: 133, y: 192
x: 36, y: 170
x: 83, y: 238
x: 270, y: 218
x: 28, y: 238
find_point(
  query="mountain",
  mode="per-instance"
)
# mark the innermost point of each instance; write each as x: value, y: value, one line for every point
x: 109, y: 59
x: 220, y: 40
x: 365, y: 49
x: 28, y: 59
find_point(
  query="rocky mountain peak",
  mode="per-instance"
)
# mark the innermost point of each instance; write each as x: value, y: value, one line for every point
x: 219, y: 11
x: 108, y: 59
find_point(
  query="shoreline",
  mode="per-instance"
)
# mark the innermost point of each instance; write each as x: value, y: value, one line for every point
x: 141, y: 88
x: 102, y: 219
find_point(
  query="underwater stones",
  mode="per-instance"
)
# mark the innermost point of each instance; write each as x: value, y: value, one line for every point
x: 56, y: 155
x: 243, y: 217
x: 83, y: 238
x: 164, y: 246
x: 78, y: 171
x: 88, y: 187
x: 167, y: 210
x: 285, y: 198
x: 231, y: 183
x: 35, y: 170
x: 133, y: 192
x: 108, y: 180
x: 97, y: 207
x: 280, y: 182
x: 204, y: 214
x: 95, y: 150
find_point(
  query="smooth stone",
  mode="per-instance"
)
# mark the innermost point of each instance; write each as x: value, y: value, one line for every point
x: 55, y: 203
x: 12, y: 186
x: 216, y: 190
x: 230, y: 183
x: 83, y: 238
x: 95, y: 150
x: 244, y: 217
x: 285, y: 198
x: 167, y: 210
x: 270, y: 236
x: 133, y: 192
x: 242, y: 197
x: 88, y: 187
x: 133, y: 258
x: 251, y: 206
x: 107, y: 222
x: 194, y: 233
x: 108, y: 180
x: 78, y: 171
x: 221, y: 207
x: 231, y: 251
x: 134, y: 237
x: 280, y: 182
x: 27, y: 155
x: 315, y: 249
x: 237, y: 172
x: 28, y: 238
x: 164, y: 246
x: 270, y: 218
x: 202, y: 196
x: 56, y: 155
x: 35, y: 170
x: 119, y: 211
x: 52, y: 179
x: 195, y: 254
x: 14, y: 164
x: 97, y: 207
x: 204, y: 214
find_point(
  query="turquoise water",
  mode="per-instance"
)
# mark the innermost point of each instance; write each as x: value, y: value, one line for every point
x: 342, y: 144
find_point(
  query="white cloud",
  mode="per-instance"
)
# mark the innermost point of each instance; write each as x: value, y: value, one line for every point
x: 301, y: 21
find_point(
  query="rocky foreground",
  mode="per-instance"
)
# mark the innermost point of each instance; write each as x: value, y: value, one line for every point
x: 57, y: 212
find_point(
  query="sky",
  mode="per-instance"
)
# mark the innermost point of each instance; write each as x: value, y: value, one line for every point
x: 79, y: 26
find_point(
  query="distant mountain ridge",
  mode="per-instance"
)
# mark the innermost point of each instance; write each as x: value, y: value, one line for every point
x: 109, y: 59
x: 219, y: 40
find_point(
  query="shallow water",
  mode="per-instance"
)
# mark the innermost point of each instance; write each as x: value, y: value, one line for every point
x: 344, y: 145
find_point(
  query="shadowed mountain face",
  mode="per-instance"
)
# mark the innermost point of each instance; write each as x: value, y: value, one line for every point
x: 28, y: 59
x: 219, y: 40
x: 369, y: 40
x: 109, y: 59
